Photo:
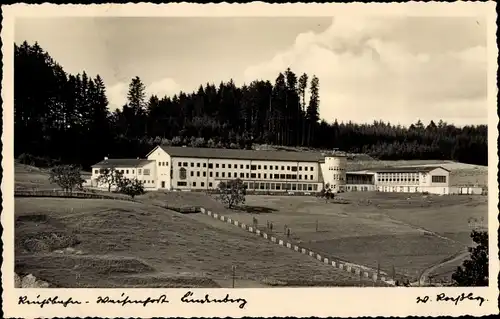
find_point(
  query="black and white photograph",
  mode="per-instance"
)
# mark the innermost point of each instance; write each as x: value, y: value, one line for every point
x: 255, y: 151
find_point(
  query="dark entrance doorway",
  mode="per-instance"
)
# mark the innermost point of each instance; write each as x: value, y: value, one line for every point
x: 162, y: 184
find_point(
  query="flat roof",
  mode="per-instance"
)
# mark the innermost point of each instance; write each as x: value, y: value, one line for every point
x: 238, y: 154
x: 122, y: 162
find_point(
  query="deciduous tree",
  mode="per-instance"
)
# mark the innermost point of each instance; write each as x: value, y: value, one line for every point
x: 232, y: 192
x: 68, y: 177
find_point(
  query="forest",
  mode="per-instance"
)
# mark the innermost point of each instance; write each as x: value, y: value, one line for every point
x: 65, y: 118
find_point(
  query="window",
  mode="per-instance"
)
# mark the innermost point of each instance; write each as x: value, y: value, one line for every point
x: 312, y: 177
x: 242, y: 175
x: 204, y: 164
x: 276, y: 176
x: 294, y: 168
x: 265, y: 175
x: 253, y: 175
x: 300, y: 168
x: 223, y: 165
x: 305, y: 168
x: 438, y: 179
x: 248, y: 166
x: 160, y: 163
x: 228, y: 165
x: 210, y: 165
x: 259, y: 167
x: 198, y: 164
x: 288, y: 168
x: 139, y: 171
x: 282, y: 168
x: 180, y: 164
x: 282, y: 176
x: 216, y: 174
x: 223, y: 174
x: 217, y: 165
x: 300, y: 176
x: 305, y: 177
x: 210, y: 184
x: 198, y: 174
x: 133, y: 171
x: 194, y: 184
x: 122, y: 171
x: 146, y: 171
x: 265, y: 166
x: 96, y: 171
x: 185, y: 164
x: 228, y: 174
x: 210, y: 174
x: 288, y: 176
x: 312, y: 169
x: 258, y: 175
x: 192, y: 173
x: 202, y: 184
x: 241, y: 166
x: 246, y: 175
x: 294, y: 176
x: 254, y: 167
x: 204, y: 174
x: 192, y: 164
x: 181, y: 184
x: 276, y: 167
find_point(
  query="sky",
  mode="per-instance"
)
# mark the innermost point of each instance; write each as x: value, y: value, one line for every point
x: 395, y: 69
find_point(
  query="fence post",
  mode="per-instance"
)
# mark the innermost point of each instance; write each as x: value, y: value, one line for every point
x: 234, y: 273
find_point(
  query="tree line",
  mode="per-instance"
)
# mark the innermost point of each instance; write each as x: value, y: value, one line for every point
x: 65, y: 117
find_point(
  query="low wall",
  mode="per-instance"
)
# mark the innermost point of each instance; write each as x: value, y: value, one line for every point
x: 361, y: 271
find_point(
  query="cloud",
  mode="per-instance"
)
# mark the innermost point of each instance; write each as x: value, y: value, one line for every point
x: 394, y: 69
x: 117, y: 93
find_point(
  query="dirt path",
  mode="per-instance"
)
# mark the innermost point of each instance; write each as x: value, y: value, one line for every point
x: 424, y: 276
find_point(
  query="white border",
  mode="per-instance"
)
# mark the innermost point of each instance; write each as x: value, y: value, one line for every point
x: 298, y: 302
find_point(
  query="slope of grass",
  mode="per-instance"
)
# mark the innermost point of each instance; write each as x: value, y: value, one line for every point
x: 117, y: 244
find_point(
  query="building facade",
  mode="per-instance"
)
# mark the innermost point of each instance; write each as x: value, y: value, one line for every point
x: 140, y: 169
x: 430, y: 179
x: 188, y: 168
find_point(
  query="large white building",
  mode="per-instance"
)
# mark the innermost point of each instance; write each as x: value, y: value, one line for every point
x: 188, y: 168
x: 430, y: 179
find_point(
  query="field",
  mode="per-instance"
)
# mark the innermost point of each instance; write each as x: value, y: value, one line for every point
x: 394, y: 231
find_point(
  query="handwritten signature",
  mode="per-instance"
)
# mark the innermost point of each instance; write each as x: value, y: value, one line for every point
x: 442, y: 297
x: 124, y: 300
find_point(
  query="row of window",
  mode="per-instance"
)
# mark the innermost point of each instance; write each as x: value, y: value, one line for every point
x: 438, y: 179
x: 336, y: 168
x: 183, y: 175
x: 399, y: 179
x: 147, y: 171
x: 398, y: 175
x: 263, y: 186
x: 250, y: 167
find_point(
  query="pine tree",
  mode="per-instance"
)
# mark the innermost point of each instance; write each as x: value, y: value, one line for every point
x: 313, y: 109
